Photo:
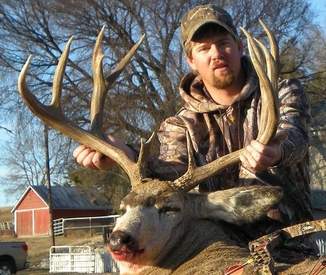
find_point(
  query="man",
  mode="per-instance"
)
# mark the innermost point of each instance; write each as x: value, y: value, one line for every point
x: 222, y: 112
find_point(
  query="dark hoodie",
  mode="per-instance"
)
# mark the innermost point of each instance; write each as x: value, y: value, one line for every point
x: 216, y: 130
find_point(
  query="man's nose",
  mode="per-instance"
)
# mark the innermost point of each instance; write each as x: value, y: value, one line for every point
x: 216, y: 51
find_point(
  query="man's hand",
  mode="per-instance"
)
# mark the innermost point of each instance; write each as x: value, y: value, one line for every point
x: 89, y: 158
x: 258, y: 157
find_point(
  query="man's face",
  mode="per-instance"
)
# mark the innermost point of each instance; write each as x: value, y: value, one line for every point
x: 217, y: 58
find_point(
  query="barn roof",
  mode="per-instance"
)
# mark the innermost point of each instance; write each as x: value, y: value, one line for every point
x: 63, y: 197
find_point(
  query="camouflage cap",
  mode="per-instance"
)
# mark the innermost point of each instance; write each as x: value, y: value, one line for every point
x: 204, y: 14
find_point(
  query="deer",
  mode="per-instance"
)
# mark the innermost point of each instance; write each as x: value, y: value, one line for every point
x: 167, y: 227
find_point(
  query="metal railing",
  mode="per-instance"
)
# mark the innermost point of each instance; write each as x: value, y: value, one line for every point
x: 7, y: 228
x: 58, y: 227
x: 100, y: 222
x: 80, y: 259
x: 5, y: 225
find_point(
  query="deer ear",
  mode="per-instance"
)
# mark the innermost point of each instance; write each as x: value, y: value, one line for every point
x: 239, y: 205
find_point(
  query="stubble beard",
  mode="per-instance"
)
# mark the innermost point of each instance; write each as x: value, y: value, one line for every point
x: 223, y: 81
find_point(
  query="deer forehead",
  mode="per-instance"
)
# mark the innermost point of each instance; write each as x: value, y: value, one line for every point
x: 152, y: 193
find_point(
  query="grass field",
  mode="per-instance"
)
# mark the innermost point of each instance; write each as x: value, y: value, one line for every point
x: 38, y: 248
x: 5, y: 215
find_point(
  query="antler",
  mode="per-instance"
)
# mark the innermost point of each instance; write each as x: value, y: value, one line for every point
x: 52, y: 114
x: 268, y: 77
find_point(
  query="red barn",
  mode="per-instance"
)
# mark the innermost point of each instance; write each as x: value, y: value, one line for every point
x: 31, y: 212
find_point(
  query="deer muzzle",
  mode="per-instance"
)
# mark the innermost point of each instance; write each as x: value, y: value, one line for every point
x: 123, y: 246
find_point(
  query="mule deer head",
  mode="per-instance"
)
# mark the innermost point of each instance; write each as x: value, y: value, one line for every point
x: 158, y: 213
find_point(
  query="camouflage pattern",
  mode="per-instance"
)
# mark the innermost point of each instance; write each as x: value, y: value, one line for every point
x: 205, y: 14
x: 261, y: 249
x: 216, y: 130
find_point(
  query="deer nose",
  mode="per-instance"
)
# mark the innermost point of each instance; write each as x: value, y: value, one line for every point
x: 119, y: 239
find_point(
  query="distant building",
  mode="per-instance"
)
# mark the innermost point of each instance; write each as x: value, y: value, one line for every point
x: 31, y: 212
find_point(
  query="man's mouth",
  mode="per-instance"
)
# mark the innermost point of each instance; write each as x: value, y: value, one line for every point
x: 220, y: 66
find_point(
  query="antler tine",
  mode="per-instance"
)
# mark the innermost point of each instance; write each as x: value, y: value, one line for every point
x: 261, y: 58
x: 257, y: 56
x: 100, y: 90
x: 274, y: 71
x: 268, y: 112
x: 182, y: 183
x: 124, y: 61
x: 54, y: 109
x: 143, y: 154
x: 58, y: 76
x: 272, y: 74
x: 194, y: 176
x: 53, y: 117
x: 272, y: 60
x: 273, y: 44
x: 271, y: 66
x: 101, y: 86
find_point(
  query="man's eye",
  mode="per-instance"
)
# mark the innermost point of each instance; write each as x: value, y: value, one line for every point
x: 205, y: 49
x: 224, y: 44
x: 167, y: 209
x: 202, y: 48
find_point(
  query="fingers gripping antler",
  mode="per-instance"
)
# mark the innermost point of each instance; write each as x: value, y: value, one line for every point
x: 266, y: 66
x: 52, y: 114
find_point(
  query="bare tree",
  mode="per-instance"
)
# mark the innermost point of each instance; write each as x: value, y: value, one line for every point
x: 101, y: 186
x: 146, y: 92
x: 24, y: 156
x: 149, y: 85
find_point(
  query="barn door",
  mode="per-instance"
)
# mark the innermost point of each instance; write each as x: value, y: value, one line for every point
x: 24, y: 222
x: 41, y: 222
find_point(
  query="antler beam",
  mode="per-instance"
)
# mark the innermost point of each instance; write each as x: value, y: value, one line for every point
x: 52, y: 114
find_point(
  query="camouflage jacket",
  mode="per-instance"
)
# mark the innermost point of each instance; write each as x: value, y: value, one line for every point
x: 216, y: 130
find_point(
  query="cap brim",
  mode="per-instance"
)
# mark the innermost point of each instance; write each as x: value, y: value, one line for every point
x: 211, y: 21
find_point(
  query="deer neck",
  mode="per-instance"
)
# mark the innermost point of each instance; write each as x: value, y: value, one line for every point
x: 198, y: 234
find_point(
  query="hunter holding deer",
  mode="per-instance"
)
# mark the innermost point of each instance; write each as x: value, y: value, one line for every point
x: 221, y: 113
x: 241, y: 137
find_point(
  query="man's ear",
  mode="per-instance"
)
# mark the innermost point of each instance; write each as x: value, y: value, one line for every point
x: 191, y: 63
x: 238, y: 205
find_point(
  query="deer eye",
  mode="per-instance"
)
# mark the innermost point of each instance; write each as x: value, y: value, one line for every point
x: 167, y: 209
x: 122, y: 210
